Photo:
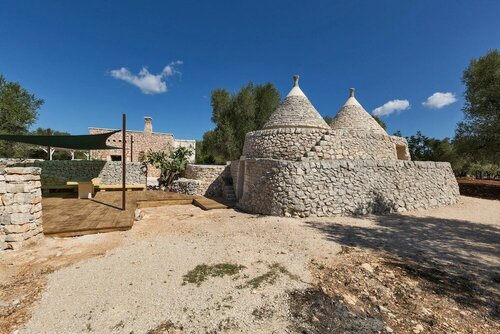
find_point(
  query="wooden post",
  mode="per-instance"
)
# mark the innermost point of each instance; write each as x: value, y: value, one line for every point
x: 131, y: 148
x: 124, y: 159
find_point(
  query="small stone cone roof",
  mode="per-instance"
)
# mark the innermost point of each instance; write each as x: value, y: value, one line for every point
x: 296, y: 111
x: 353, y: 116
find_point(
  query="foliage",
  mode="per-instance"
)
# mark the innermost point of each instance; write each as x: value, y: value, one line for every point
x: 380, y: 122
x: 203, y: 271
x: 35, y: 152
x: 202, y: 157
x: 423, y: 148
x: 18, y: 111
x: 234, y: 115
x: 328, y: 119
x: 478, y: 136
x: 171, y: 165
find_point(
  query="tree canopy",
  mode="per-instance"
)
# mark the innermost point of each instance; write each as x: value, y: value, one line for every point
x: 234, y: 115
x: 380, y: 122
x: 478, y: 135
x: 18, y: 111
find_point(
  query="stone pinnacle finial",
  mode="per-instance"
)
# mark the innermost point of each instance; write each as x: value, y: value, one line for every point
x: 351, y: 92
x: 296, y: 80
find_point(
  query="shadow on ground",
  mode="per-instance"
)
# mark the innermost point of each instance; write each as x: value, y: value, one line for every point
x: 454, y: 258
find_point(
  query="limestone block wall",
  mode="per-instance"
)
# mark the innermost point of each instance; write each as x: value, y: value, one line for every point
x: 345, y: 187
x: 20, y: 206
x: 281, y: 143
x: 352, y: 144
x: 204, y: 180
x: 58, y: 172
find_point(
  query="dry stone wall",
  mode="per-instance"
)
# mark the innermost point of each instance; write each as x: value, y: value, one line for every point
x: 283, y: 143
x: 316, y: 144
x: 345, y: 187
x: 58, y: 172
x: 352, y: 144
x: 20, y: 206
x: 204, y: 180
x: 353, y: 116
x: 297, y: 112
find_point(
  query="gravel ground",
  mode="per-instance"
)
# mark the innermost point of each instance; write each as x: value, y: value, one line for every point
x: 134, y: 281
x: 140, y: 285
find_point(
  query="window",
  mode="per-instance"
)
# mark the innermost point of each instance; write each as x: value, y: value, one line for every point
x: 115, y: 157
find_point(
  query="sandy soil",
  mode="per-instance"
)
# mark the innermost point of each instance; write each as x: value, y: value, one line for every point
x: 313, y: 275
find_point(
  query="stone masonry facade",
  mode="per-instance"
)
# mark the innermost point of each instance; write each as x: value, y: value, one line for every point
x: 20, y: 206
x: 142, y: 142
x: 345, y: 187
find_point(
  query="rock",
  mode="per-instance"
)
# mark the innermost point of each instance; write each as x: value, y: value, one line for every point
x: 351, y: 300
x: 383, y: 309
x: 367, y: 267
x: 389, y: 329
x: 418, y: 328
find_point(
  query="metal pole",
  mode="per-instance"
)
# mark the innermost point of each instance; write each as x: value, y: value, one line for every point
x: 131, y: 148
x: 124, y: 158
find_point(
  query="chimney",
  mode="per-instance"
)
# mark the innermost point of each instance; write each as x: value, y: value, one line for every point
x: 148, y: 125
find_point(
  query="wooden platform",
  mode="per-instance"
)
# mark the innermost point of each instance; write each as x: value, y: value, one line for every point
x: 64, y: 215
x: 210, y: 204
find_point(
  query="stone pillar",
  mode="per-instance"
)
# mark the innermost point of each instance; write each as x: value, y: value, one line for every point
x: 20, y: 206
x: 148, y: 125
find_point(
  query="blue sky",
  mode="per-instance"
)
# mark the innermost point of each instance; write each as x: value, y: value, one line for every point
x: 71, y: 54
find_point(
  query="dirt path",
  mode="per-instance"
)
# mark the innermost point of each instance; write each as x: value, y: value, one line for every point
x: 185, y: 270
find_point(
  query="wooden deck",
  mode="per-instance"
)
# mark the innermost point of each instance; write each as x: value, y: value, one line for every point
x: 64, y: 215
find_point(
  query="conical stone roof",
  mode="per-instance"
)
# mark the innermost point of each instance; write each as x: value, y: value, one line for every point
x: 353, y: 116
x: 296, y: 111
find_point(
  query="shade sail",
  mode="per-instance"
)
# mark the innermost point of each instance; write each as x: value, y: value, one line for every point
x: 80, y: 142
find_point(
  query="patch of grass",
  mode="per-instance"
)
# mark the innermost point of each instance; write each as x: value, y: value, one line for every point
x: 119, y: 325
x: 262, y: 313
x: 163, y: 328
x: 275, y: 270
x: 345, y: 250
x: 203, y: 271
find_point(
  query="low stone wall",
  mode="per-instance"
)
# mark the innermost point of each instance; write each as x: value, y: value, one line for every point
x: 20, y: 206
x: 204, y: 180
x: 187, y: 186
x: 284, y: 143
x: 58, y: 172
x: 345, y: 187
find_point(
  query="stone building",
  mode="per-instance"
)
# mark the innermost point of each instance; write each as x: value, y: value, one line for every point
x: 300, y: 165
x: 142, y: 141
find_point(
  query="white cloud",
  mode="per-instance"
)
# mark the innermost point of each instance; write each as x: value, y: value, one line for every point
x: 390, y: 107
x: 439, y: 100
x: 147, y: 82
